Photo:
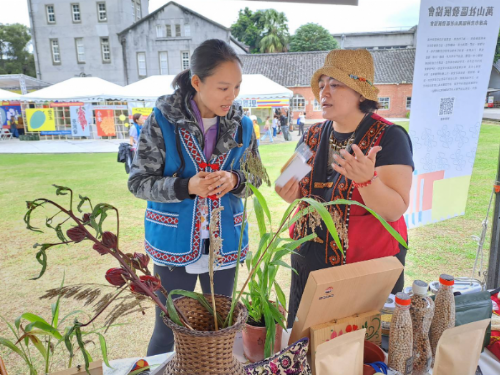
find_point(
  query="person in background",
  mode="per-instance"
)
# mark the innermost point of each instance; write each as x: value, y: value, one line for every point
x: 284, y: 126
x: 301, y: 122
x: 13, y: 127
x: 275, y: 124
x: 256, y: 128
x: 135, y: 129
x: 267, y: 128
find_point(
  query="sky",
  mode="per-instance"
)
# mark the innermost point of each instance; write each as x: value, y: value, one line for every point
x: 370, y: 15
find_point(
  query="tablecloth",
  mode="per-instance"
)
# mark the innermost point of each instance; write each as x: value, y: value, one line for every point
x: 488, y: 363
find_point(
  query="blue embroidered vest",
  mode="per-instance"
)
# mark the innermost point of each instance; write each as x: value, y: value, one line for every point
x: 173, y: 235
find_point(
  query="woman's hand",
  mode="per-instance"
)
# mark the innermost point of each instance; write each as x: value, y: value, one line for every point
x: 358, y: 168
x: 290, y: 191
x: 221, y: 183
x: 199, y: 183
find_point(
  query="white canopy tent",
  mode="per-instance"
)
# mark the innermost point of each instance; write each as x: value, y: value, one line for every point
x: 338, y: 2
x: 85, y: 89
x: 7, y: 95
x: 253, y: 86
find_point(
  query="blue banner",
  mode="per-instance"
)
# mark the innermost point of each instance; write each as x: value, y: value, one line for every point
x: 56, y: 132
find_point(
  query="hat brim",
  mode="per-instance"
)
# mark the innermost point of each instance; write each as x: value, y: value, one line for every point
x: 364, y: 88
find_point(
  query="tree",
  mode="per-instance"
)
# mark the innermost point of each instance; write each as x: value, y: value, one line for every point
x: 312, y: 37
x: 276, y: 35
x: 14, y: 55
x: 248, y: 28
x: 262, y: 31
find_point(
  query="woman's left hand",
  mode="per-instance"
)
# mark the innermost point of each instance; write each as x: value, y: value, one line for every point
x: 224, y: 182
x: 358, y: 168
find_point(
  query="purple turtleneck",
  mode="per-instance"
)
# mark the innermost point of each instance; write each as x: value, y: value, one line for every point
x: 210, y: 134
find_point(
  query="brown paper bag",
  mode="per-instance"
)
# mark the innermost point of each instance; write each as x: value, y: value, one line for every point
x: 459, y: 349
x: 341, y: 356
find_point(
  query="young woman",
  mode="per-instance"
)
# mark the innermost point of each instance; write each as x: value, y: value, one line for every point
x: 187, y: 164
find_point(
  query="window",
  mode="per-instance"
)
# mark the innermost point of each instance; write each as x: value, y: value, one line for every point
x: 80, y: 50
x: 385, y: 103
x: 187, y: 30
x: 160, y: 31
x: 298, y: 103
x: 56, y: 54
x: 75, y: 11
x: 185, y: 60
x: 169, y: 31
x: 408, y: 102
x: 177, y: 30
x: 163, y: 57
x: 141, y: 64
x: 105, y: 50
x: 51, y: 14
x: 102, y: 15
x: 136, y: 10
x: 317, y: 106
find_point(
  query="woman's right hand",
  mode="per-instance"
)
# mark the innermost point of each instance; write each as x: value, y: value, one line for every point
x: 290, y: 191
x: 199, y: 184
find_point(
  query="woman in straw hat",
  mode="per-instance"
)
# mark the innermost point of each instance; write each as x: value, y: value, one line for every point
x: 357, y: 155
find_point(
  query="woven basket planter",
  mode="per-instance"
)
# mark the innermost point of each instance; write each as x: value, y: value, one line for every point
x: 203, y: 350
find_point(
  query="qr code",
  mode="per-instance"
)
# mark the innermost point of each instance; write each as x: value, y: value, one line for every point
x: 446, y: 106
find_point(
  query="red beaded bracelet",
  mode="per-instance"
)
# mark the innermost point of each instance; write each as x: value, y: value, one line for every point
x: 365, y: 184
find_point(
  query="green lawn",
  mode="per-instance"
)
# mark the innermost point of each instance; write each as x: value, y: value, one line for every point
x: 445, y: 246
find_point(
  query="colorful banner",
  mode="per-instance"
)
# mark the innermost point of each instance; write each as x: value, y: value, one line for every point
x: 143, y: 111
x: 57, y: 132
x: 40, y: 119
x: 65, y: 104
x: 272, y: 103
x: 96, y: 107
x: 7, y: 112
x: 105, y: 121
x: 81, y: 118
x: 456, y: 41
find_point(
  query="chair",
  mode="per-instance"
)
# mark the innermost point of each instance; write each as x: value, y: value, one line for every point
x: 5, y: 134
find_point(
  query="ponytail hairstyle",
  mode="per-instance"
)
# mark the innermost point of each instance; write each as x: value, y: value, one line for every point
x: 205, y: 59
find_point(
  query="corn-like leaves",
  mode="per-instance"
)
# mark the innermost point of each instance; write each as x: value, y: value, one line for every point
x: 9, y: 344
x: 172, y: 312
x: 45, y: 327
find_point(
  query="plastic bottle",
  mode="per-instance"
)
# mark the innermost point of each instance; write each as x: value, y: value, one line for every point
x: 401, y: 336
x: 444, y: 312
x: 422, y: 312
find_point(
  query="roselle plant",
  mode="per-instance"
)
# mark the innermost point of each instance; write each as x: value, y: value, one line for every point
x: 132, y: 276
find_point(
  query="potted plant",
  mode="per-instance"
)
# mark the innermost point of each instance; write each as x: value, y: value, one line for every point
x: 31, y: 331
x: 200, y: 322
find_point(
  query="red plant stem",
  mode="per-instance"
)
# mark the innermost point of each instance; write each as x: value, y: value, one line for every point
x: 118, y: 256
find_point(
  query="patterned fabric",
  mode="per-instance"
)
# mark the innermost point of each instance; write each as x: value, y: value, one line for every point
x: 163, y: 218
x: 290, y: 361
x: 146, y: 180
x: 317, y: 183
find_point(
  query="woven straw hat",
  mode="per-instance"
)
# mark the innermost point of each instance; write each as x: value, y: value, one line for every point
x: 354, y: 68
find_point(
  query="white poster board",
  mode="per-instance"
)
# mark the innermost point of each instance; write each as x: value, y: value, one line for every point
x: 81, y: 119
x: 456, y: 40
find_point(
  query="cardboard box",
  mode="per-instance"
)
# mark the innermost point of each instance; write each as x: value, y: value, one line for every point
x: 322, y: 333
x: 95, y: 368
x: 339, y: 292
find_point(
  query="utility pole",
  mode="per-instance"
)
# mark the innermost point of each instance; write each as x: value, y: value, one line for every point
x: 493, y: 280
